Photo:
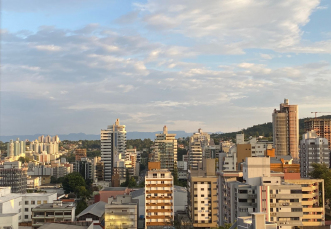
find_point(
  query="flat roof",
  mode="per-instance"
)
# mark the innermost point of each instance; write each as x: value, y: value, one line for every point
x: 114, y: 189
x: 50, y: 205
x: 60, y: 225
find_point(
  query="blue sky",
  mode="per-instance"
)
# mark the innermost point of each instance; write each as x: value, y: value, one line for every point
x: 221, y: 66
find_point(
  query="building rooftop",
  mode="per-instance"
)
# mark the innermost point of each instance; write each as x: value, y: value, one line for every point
x: 62, y: 226
x: 51, y: 205
x: 114, y: 189
x: 97, y: 209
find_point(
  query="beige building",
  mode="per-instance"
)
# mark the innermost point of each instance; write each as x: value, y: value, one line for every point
x: 113, y: 146
x: 285, y: 124
x: 159, y: 196
x: 165, y: 149
x: 79, y: 154
x: 196, y: 144
x: 286, y: 202
x: 321, y: 126
x: 202, y: 196
x: 121, y: 212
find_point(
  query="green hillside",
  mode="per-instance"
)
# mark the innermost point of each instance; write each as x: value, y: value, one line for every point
x: 260, y: 130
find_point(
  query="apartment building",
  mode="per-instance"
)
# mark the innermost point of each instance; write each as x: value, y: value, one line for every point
x: 165, y: 149
x: 22, y: 204
x: 86, y: 167
x: 121, y: 212
x: 233, y: 159
x: 57, y: 211
x: 80, y: 153
x: 113, y: 146
x: 202, y: 196
x: 15, y: 148
x: 313, y: 149
x: 196, y: 144
x: 159, y: 196
x: 12, y: 175
x: 321, y: 126
x: 285, y: 124
x: 287, y: 202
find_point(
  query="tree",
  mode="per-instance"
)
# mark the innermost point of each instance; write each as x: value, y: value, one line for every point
x: 71, y: 181
x: 132, y: 183
x: 23, y: 159
x: 175, y: 175
x: 321, y: 171
x: 81, y: 206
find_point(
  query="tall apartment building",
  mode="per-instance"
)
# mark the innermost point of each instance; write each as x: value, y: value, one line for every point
x: 321, y: 126
x: 121, y: 212
x: 86, y: 167
x: 313, y: 149
x: 12, y: 175
x: 113, y: 146
x: 202, y: 196
x: 285, y: 124
x: 159, y: 196
x: 15, y: 148
x: 289, y: 202
x: 196, y: 144
x: 165, y: 149
x: 80, y: 153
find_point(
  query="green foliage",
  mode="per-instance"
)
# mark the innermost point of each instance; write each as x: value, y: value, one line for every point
x: 142, y: 167
x: 82, y: 204
x: 72, y: 181
x: 226, y: 226
x: 23, y: 159
x: 321, y: 171
x: 132, y: 183
x: 91, y: 144
x: 92, y: 154
x: 57, y: 181
x: 180, y: 153
x: 70, y: 157
x: 175, y: 175
x: 140, y: 144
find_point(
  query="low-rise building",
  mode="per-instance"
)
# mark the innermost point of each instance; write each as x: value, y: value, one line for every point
x: 92, y: 212
x: 57, y: 211
x: 121, y: 212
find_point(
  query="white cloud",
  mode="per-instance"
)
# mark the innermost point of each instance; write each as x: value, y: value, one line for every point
x: 266, y: 56
x: 51, y: 48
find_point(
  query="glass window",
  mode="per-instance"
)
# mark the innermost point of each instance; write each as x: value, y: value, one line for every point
x: 26, y: 202
x: 39, y: 202
x: 26, y: 209
x: 33, y: 202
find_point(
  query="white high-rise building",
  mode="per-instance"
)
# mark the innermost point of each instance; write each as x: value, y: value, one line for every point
x: 113, y: 146
x: 313, y: 149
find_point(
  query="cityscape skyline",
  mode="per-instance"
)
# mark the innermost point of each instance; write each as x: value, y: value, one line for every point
x: 76, y: 68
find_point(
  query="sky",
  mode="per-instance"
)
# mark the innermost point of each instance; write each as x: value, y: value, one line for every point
x: 220, y: 65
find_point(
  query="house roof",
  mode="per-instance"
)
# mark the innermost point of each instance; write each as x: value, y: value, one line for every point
x: 97, y: 209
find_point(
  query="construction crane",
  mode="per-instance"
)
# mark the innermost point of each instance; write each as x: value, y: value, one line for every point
x: 319, y: 112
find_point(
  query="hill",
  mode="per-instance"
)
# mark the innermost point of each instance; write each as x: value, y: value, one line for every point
x: 264, y: 129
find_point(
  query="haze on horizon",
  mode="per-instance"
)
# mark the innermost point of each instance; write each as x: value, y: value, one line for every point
x: 221, y: 66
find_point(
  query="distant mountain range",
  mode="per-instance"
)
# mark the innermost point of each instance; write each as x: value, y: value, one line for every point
x: 83, y: 136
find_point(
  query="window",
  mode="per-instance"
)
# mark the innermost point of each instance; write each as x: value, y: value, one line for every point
x: 19, y: 218
x: 202, y: 189
x: 45, y: 202
x: 19, y: 210
x: 124, y: 210
x: 26, y: 202
x: 33, y: 202
x: 39, y: 202
x: 202, y: 202
x: 26, y: 209
x: 26, y: 217
x: 202, y: 195
x: 162, y: 207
